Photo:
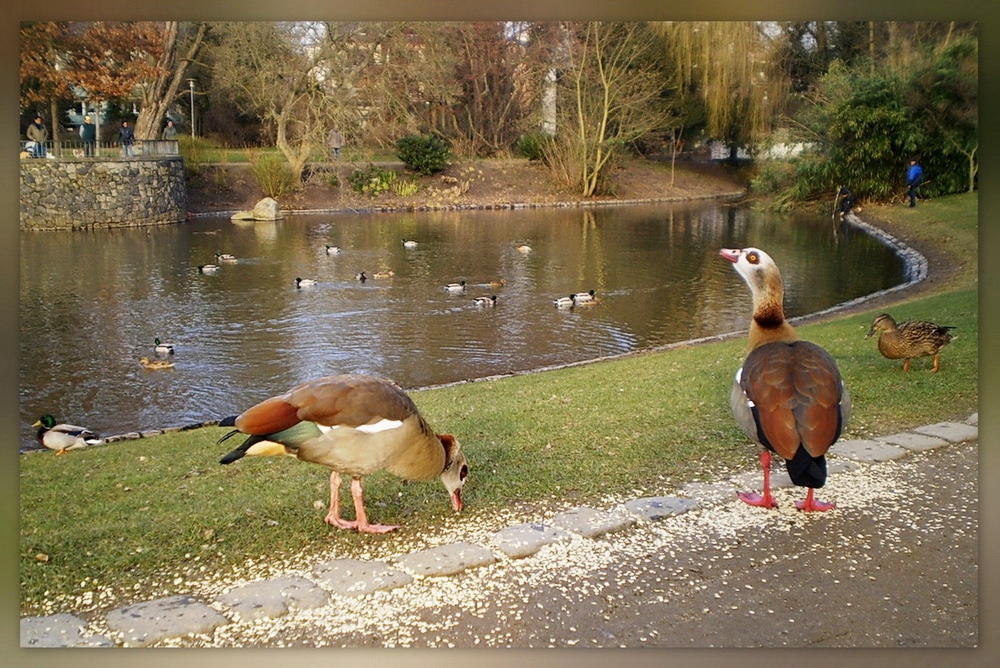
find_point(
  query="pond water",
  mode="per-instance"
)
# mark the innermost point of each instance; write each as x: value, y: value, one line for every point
x: 91, y: 303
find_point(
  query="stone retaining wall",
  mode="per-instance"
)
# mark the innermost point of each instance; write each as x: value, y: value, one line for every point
x: 101, y: 194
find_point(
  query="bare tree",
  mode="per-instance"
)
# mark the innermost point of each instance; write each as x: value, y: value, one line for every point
x: 609, y: 96
x: 161, y: 91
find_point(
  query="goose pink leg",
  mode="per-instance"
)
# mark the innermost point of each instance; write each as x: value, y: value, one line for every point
x: 765, y: 500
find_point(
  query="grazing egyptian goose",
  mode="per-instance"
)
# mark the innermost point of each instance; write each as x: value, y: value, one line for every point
x: 910, y: 339
x: 409, y: 243
x: 486, y: 301
x: 333, y: 250
x: 788, y: 397
x: 455, y: 288
x: 304, y: 283
x: 154, y: 365
x: 208, y: 268
x: 354, y: 425
x: 163, y: 348
x: 225, y: 257
x: 62, y: 437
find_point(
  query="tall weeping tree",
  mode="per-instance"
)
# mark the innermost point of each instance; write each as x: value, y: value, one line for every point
x: 728, y: 66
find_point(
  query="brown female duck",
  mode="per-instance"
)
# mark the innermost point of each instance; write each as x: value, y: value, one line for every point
x: 910, y: 339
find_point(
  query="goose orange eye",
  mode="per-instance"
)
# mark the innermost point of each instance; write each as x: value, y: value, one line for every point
x: 753, y: 258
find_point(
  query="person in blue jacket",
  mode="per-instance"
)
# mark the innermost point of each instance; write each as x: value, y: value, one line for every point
x: 914, y: 177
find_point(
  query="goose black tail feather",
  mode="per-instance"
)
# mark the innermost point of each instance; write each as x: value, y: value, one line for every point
x: 806, y: 470
x: 241, y: 450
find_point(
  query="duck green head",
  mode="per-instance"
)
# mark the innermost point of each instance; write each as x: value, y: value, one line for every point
x: 46, y: 422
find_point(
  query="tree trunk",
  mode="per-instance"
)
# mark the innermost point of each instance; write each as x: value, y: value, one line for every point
x: 56, y: 135
x: 161, y: 94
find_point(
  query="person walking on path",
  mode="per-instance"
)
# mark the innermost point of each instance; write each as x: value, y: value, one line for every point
x: 88, y: 135
x: 127, y: 137
x: 38, y: 133
x: 170, y: 132
x: 336, y: 142
x: 914, y: 177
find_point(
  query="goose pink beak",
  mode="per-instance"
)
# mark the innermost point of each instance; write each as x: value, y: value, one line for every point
x: 731, y: 254
x: 456, y: 500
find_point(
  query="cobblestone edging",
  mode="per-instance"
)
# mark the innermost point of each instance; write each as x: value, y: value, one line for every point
x: 147, y: 623
x: 86, y: 194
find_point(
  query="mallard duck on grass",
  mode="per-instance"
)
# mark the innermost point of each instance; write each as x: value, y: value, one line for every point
x: 62, y: 437
x: 153, y: 365
x: 910, y: 339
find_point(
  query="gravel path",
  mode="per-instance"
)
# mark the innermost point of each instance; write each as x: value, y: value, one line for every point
x: 894, y: 565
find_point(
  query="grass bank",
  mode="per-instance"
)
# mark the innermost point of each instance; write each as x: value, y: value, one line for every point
x: 147, y: 518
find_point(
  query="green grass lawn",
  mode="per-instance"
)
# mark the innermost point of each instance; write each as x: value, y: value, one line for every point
x: 128, y: 517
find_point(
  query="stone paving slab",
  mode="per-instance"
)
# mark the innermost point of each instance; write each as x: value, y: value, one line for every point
x: 867, y: 451
x: 446, y: 559
x: 953, y: 432
x: 709, y: 493
x: 913, y: 441
x: 275, y: 597
x: 352, y: 577
x: 145, y: 623
x: 652, y: 508
x: 61, y: 630
x: 590, y: 522
x: 523, y: 540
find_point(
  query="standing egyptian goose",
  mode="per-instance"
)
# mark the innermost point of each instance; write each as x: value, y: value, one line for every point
x: 910, y: 339
x: 788, y: 397
x: 354, y: 425
x: 62, y: 437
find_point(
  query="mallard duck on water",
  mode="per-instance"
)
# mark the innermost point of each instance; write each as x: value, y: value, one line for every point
x: 907, y: 340
x: 486, y: 301
x: 163, y: 348
x: 62, y: 437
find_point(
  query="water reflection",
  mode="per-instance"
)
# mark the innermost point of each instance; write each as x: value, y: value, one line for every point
x: 92, y: 302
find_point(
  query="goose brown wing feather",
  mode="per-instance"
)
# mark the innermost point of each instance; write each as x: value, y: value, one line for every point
x: 797, y: 391
x: 350, y: 401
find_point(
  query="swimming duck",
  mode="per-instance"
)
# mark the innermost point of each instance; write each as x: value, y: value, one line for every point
x: 63, y: 437
x: 910, y: 339
x: 524, y: 248
x: 354, y: 425
x: 304, y: 283
x: 409, y: 243
x: 155, y: 364
x: 208, y: 268
x: 388, y: 273
x: 486, y: 301
x: 163, y: 348
x: 498, y: 283
x: 225, y: 257
x: 788, y: 397
x: 333, y: 250
x: 455, y: 288
x: 565, y: 302
x: 585, y: 297
x: 361, y: 276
